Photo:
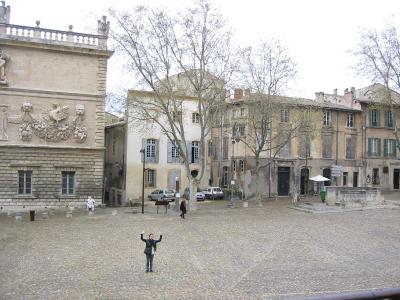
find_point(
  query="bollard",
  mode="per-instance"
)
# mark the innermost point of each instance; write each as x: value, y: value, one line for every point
x: 45, y: 215
x: 18, y: 217
x: 32, y: 215
x: 69, y: 214
x: 91, y: 213
x: 114, y: 212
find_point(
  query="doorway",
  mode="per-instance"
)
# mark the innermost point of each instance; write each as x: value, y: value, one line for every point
x: 283, y: 181
x: 305, y: 173
x: 355, y: 179
x: 327, y: 174
x: 396, y: 178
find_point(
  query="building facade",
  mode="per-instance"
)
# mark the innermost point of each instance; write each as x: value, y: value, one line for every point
x: 52, y: 92
x: 352, y: 145
x: 164, y: 168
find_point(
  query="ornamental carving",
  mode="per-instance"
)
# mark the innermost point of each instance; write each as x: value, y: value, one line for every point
x: 54, y: 125
x: 3, y: 61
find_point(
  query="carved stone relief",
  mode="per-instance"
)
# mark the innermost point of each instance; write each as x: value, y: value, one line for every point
x: 53, y: 126
x: 3, y: 61
x: 3, y: 123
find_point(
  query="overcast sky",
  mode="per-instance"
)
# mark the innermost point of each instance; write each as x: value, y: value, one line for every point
x: 318, y: 33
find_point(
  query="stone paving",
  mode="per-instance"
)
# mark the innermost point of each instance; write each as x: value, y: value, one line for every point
x: 216, y: 253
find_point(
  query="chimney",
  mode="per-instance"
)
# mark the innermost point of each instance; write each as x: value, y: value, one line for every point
x: 346, y: 91
x: 238, y: 94
x: 353, y: 90
x: 319, y: 96
x: 335, y: 91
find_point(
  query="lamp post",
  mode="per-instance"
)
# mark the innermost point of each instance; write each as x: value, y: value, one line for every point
x: 235, y: 139
x: 143, y: 151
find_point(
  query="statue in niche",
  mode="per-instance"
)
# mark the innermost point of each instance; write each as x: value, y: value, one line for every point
x: 80, y: 132
x: 103, y: 26
x: 3, y: 61
x: 3, y: 123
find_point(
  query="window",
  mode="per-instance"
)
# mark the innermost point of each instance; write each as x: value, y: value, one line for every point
x: 241, y: 165
x: 217, y: 118
x: 375, y: 176
x: 234, y: 113
x: 327, y: 118
x: 388, y: 119
x: 345, y: 176
x: 224, y: 177
x: 327, y: 146
x: 195, y: 152
x: 234, y: 165
x: 242, y: 130
x: 210, y: 149
x: 216, y: 147
x: 351, y: 146
x: 389, y: 147
x: 350, y: 120
x: 24, y: 182
x: 151, y: 148
x: 305, y: 147
x: 195, y: 118
x: 150, y: 178
x: 374, y: 120
x: 225, y: 149
x: 242, y: 112
x: 374, y: 147
x: 284, y: 151
x: 177, y: 116
x: 284, y: 115
x: 68, y: 183
x: 174, y: 150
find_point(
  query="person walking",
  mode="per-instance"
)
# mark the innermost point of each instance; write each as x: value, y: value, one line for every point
x: 183, y: 208
x: 150, y: 250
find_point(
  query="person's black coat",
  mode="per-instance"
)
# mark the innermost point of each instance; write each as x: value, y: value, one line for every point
x: 183, y: 207
x: 150, y: 244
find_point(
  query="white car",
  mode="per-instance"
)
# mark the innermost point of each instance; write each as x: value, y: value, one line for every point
x: 213, y: 193
x: 200, y: 196
x: 162, y: 195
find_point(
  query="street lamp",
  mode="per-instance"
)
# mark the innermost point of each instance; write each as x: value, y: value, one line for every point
x: 235, y: 139
x: 143, y: 151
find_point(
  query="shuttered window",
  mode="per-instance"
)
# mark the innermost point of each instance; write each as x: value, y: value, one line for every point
x: 374, y: 147
x: 24, y: 182
x: 389, y: 148
x: 68, y: 183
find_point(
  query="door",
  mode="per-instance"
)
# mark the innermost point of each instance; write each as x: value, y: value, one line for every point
x: 327, y: 174
x: 283, y: 181
x: 304, y: 181
x: 355, y: 179
x: 396, y: 178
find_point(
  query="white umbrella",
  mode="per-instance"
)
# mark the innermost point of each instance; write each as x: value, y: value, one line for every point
x: 319, y: 178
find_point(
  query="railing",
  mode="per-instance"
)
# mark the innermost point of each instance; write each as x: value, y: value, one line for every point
x: 51, y: 35
x: 387, y: 294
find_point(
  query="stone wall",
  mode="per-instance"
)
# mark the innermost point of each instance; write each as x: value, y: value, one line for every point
x: 353, y: 196
x: 46, y: 165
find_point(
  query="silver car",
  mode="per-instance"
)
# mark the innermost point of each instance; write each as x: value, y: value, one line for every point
x: 162, y: 195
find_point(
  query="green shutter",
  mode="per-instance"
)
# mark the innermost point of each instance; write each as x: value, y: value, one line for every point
x: 394, y: 148
x: 386, y: 118
x: 378, y: 118
x: 379, y: 147
x: 369, y: 147
x: 369, y: 118
x: 385, y: 147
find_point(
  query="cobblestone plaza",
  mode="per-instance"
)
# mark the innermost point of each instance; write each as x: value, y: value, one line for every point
x: 216, y: 253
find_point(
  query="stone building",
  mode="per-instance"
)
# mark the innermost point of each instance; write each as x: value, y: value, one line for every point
x: 352, y: 145
x: 52, y: 91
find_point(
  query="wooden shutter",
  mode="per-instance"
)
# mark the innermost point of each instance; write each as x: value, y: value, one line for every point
x: 395, y: 148
x: 369, y: 118
x: 155, y: 178
x: 369, y: 146
x: 386, y: 118
x: 143, y: 147
x: 385, y: 147
x: 379, y: 146
x: 378, y: 119
x: 169, y: 152
x: 189, y: 152
x: 157, y: 151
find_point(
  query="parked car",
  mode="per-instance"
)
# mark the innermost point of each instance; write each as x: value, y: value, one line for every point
x: 213, y: 193
x: 162, y: 195
x: 199, y: 195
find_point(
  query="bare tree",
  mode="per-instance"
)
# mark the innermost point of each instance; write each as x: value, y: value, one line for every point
x: 177, y: 58
x: 379, y: 59
x: 266, y: 71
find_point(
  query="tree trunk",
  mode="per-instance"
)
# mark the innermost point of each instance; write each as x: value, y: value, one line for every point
x: 194, y: 183
x: 258, y: 196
